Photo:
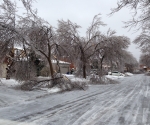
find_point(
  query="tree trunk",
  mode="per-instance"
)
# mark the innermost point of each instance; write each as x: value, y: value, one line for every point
x: 101, y: 66
x: 111, y: 66
x: 83, y: 59
x: 51, y: 68
x: 84, y: 70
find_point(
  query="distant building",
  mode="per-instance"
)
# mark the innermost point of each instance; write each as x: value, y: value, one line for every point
x: 143, y: 67
x: 3, y: 71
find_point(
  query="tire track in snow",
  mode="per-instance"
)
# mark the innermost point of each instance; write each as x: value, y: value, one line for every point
x: 61, y: 106
x: 118, y: 104
x: 103, y: 111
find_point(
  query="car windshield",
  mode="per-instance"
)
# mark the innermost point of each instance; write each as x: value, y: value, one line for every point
x: 115, y: 72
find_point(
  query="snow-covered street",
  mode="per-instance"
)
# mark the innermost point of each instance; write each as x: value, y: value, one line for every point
x: 126, y: 103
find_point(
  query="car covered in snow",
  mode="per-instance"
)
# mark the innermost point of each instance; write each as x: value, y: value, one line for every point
x: 116, y: 73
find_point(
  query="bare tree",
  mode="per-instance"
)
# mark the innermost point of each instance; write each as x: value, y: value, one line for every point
x: 145, y: 59
x: 129, y: 61
x: 83, y: 47
x: 142, y: 7
x: 6, y: 21
x: 112, y: 48
x: 43, y: 42
x: 7, y: 35
x: 33, y: 33
x: 16, y: 29
x: 143, y: 41
x: 141, y: 18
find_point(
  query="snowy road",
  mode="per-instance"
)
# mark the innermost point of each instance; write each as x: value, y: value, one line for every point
x: 127, y: 103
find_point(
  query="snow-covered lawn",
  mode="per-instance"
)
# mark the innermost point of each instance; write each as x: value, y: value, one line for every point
x: 11, y: 95
x: 9, y: 82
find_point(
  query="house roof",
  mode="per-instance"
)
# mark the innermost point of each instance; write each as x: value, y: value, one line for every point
x: 61, y: 62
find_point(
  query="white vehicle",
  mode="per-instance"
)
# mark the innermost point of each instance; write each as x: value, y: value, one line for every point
x: 116, y: 73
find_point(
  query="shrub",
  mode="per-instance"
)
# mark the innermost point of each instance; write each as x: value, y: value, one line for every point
x: 45, y: 72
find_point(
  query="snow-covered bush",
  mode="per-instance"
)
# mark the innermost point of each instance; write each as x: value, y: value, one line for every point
x: 77, y: 83
x: 59, y: 81
x: 45, y: 72
x: 128, y: 74
x: 28, y: 85
x: 24, y: 70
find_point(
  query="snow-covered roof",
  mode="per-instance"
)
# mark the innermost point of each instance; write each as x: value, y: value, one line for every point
x: 61, y: 62
x: 18, y: 47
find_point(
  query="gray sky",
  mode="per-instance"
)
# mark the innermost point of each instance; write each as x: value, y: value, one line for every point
x: 82, y: 13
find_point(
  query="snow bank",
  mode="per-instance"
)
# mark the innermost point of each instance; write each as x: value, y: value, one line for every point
x: 8, y: 122
x: 9, y: 82
x: 79, y: 79
x: 76, y: 79
x: 61, y: 62
x: 70, y: 76
x: 113, y: 77
x: 13, y: 83
x: 128, y: 74
x: 52, y: 90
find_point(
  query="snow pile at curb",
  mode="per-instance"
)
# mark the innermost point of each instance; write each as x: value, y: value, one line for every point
x: 52, y: 90
x: 69, y: 76
x: 9, y: 122
x: 114, y: 77
x: 128, y: 74
x: 9, y: 82
x: 79, y: 80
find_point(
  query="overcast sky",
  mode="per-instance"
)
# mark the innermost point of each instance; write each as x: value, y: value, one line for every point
x: 82, y: 13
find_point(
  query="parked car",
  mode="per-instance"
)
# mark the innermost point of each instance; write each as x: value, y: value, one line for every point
x: 116, y: 73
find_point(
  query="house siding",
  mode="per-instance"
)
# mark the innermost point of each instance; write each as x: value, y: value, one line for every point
x: 3, y: 67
